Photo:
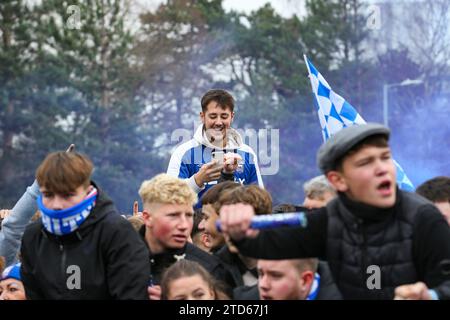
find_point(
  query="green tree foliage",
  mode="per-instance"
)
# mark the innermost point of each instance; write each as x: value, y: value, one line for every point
x: 107, y: 124
x: 269, y: 79
x: 72, y: 72
x: 176, y: 45
x: 82, y: 91
x: 119, y: 96
x: 31, y: 101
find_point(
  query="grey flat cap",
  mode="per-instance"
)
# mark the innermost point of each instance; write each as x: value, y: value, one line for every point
x: 338, y: 145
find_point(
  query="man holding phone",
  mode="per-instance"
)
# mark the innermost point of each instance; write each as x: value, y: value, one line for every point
x: 216, y: 151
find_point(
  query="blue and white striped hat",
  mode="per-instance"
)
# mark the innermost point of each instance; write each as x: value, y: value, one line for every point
x: 12, y: 272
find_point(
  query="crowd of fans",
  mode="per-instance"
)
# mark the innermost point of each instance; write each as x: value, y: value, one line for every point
x: 65, y: 239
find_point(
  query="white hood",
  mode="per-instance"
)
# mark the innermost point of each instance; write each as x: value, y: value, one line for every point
x: 234, y: 140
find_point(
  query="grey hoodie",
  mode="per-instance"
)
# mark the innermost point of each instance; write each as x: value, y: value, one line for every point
x: 13, y: 226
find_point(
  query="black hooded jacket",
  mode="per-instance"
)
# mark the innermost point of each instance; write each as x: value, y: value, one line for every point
x: 161, y: 261
x: 103, y: 259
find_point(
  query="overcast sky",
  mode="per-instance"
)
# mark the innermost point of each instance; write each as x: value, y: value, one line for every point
x: 284, y: 7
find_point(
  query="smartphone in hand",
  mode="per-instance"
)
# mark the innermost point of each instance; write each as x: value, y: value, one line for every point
x: 219, y: 157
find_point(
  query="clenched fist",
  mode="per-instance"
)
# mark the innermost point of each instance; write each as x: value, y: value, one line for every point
x: 416, y: 291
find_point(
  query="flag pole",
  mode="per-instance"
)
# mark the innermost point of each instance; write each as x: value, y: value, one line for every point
x: 306, y: 62
x: 307, y: 65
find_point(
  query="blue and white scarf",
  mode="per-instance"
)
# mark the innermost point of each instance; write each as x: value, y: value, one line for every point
x: 61, y: 222
x: 314, y: 288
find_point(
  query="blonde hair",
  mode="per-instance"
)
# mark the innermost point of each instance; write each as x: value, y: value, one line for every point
x: 166, y: 189
x: 136, y: 221
x: 308, y: 264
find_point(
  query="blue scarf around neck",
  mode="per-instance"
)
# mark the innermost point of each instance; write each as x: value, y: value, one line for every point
x: 62, y: 222
x: 314, y: 288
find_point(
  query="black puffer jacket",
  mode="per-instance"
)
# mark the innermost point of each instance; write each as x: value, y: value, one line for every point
x: 409, y: 242
x: 104, y: 251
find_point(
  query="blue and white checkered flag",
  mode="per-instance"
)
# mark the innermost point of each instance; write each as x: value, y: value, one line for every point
x: 335, y: 113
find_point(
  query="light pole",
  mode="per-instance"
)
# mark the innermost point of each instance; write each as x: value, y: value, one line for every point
x: 386, y: 87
